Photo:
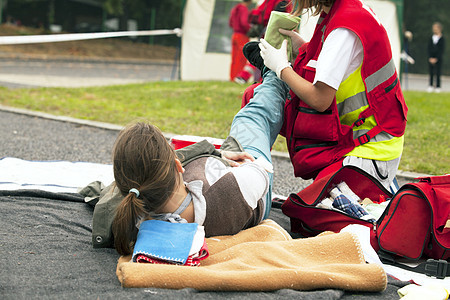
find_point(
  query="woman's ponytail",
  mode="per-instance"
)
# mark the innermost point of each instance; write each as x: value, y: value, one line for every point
x: 124, y: 229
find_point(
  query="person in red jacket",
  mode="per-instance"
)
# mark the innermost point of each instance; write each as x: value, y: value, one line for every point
x: 239, y: 23
x: 258, y: 19
x: 261, y: 14
x: 346, y: 105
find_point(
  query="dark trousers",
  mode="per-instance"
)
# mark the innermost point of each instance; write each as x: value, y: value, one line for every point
x: 435, y: 70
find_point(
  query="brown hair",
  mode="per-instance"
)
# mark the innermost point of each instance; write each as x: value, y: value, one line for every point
x: 316, y: 6
x: 144, y: 160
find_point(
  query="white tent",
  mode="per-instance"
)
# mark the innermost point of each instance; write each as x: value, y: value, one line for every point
x: 206, y: 41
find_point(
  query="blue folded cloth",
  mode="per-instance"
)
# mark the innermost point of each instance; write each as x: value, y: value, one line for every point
x: 166, y: 241
x: 354, y: 209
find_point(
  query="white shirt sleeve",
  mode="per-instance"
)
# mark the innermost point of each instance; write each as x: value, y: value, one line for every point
x: 252, y: 179
x: 341, y: 55
x: 253, y: 182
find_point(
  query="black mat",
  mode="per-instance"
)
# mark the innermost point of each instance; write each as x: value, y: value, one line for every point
x: 46, y: 253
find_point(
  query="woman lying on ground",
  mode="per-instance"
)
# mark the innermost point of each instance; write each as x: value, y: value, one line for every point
x: 195, y: 184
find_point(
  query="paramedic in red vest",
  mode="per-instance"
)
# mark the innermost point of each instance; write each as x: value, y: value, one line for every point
x: 346, y: 106
x: 239, y: 23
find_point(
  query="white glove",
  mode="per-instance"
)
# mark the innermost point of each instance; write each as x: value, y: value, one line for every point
x: 274, y: 59
x: 297, y: 40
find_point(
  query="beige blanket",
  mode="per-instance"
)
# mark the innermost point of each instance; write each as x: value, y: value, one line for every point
x: 265, y: 258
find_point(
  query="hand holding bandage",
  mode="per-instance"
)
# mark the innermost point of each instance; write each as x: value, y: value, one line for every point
x: 276, y: 48
x: 281, y: 20
x: 296, y: 40
x: 274, y: 59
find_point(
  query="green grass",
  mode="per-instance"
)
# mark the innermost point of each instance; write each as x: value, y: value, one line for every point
x: 202, y: 108
x: 427, y: 137
x: 207, y: 109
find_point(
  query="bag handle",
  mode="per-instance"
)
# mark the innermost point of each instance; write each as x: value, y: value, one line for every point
x: 438, y: 268
x: 442, y: 179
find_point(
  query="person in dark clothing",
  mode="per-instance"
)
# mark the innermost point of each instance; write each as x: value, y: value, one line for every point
x: 436, y: 47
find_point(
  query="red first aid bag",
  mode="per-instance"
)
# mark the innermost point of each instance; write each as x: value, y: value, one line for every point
x: 414, y: 226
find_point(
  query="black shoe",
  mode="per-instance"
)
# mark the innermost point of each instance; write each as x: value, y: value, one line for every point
x: 252, y: 54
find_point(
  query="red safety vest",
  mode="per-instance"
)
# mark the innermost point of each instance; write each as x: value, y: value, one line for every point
x: 317, y: 139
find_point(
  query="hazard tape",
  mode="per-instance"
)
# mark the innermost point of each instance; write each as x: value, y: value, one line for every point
x: 51, y: 38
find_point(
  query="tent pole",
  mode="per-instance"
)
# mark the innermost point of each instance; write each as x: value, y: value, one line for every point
x: 399, y: 9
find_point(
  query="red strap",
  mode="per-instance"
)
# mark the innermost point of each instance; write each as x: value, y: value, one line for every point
x: 365, y: 138
x: 369, y: 111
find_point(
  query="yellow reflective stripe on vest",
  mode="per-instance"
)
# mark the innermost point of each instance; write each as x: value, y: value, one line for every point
x: 350, y: 87
x: 351, y: 100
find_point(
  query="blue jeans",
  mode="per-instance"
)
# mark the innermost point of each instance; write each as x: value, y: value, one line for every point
x: 256, y: 126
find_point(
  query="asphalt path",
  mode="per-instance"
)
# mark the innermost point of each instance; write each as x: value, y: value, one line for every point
x: 24, y: 71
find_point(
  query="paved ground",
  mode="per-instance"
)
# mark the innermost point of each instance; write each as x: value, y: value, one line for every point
x: 419, y: 82
x: 24, y: 71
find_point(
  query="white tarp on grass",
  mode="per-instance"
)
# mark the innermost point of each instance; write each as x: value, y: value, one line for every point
x: 51, y: 176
